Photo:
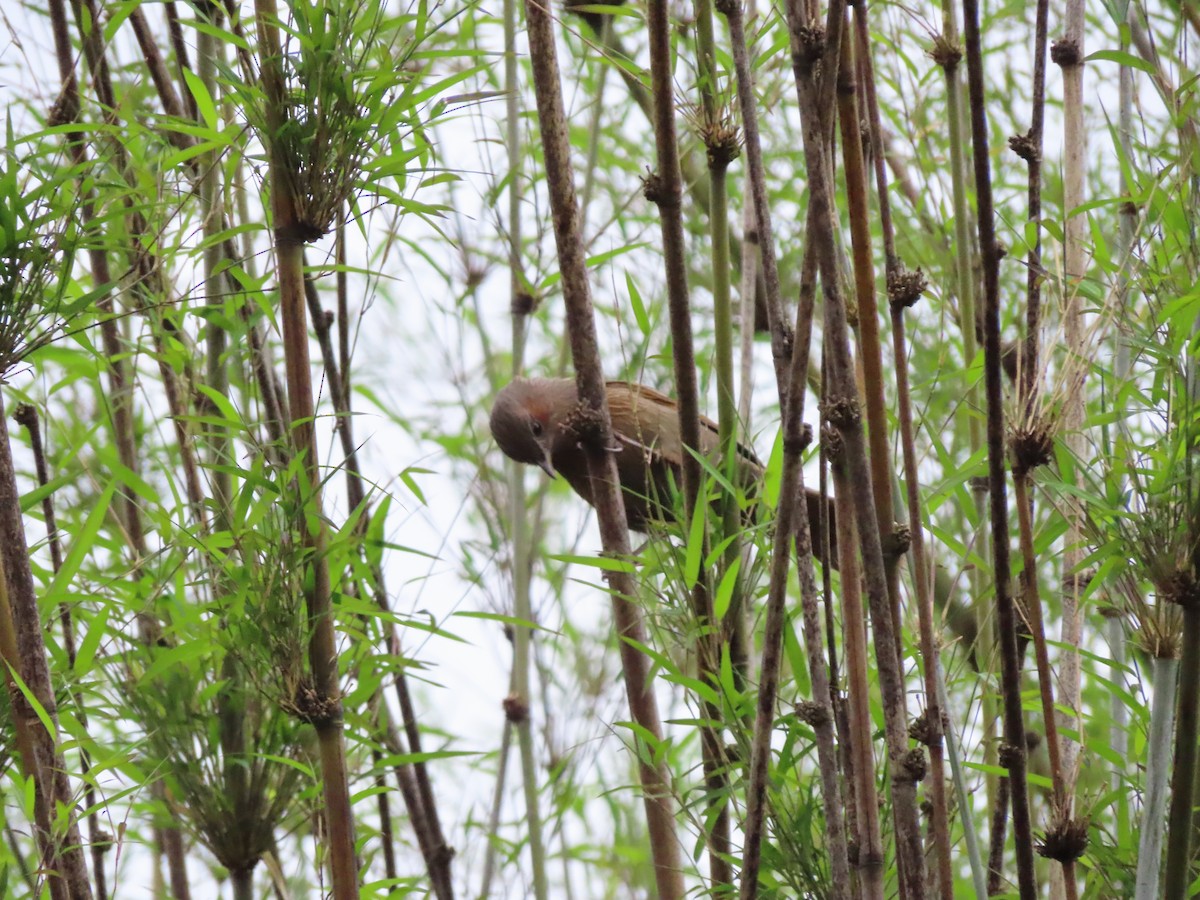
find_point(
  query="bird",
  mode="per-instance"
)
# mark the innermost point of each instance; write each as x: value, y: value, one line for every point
x: 531, y: 423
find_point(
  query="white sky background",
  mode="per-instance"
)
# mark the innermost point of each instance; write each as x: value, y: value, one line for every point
x: 414, y: 351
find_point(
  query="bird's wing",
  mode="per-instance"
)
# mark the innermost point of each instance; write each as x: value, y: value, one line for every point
x: 657, y: 414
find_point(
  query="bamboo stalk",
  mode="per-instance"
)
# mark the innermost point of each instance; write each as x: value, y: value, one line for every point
x: 1014, y: 756
x: 610, y: 510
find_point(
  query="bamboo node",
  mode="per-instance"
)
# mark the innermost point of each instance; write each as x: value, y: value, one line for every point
x: 797, y: 445
x: 809, y: 47
x: 523, y: 303
x: 1066, y: 839
x: 1030, y: 448
x: 897, y: 542
x: 311, y: 707
x: 842, y: 412
x: 656, y: 190
x: 1178, y: 586
x: 722, y: 142
x: 1009, y: 755
x: 831, y: 440
x: 947, y: 54
x: 922, y: 731
x: 813, y: 714
x: 1025, y: 147
x: 25, y: 415
x: 587, y: 424
x: 516, y: 708
x: 905, y: 288
x: 914, y: 765
x: 1065, y: 53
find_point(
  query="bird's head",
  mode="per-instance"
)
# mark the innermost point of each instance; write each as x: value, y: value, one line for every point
x: 523, y: 421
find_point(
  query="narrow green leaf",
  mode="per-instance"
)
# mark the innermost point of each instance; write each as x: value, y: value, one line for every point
x: 1121, y: 58
x: 204, y: 100
x: 83, y: 542
x: 605, y: 563
x: 725, y: 590
x: 97, y: 629
x: 695, y: 545
x: 638, y: 306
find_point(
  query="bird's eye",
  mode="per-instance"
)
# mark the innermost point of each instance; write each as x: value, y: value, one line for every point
x: 536, y: 427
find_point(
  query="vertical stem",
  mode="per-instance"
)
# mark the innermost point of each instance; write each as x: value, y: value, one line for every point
x: 26, y: 416
x: 842, y: 411
x: 930, y: 648
x: 949, y: 56
x: 62, y: 853
x: 520, y: 304
x: 1033, y: 609
x: 1014, y: 756
x: 869, y: 344
x: 667, y: 193
x: 323, y: 655
x: 1069, y: 54
x: 1158, y: 773
x: 610, y: 509
x: 899, y: 284
x: 870, y: 839
x: 1178, y: 876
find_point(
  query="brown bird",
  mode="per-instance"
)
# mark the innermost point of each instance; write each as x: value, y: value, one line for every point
x: 530, y: 422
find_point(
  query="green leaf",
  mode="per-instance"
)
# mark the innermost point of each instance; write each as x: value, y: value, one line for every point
x: 725, y: 589
x: 97, y: 629
x: 1121, y: 58
x: 695, y: 545
x: 204, y: 100
x: 639, y: 308
x: 604, y: 563
x: 84, y: 540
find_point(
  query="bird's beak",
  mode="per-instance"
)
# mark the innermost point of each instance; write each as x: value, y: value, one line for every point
x: 545, y: 466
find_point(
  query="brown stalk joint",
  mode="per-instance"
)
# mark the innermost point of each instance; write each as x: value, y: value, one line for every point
x: 309, y: 706
x: 834, y: 444
x: 523, y: 303
x: 1025, y: 147
x: 842, y: 412
x: 1031, y: 448
x: 1066, y: 839
x: 1066, y: 53
x: 921, y: 729
x: 25, y: 415
x: 808, y: 47
x: 1179, y: 587
x: 297, y: 234
x: 65, y: 109
x: 516, y: 709
x: 896, y: 543
x: 656, y: 190
x: 813, y: 714
x: 796, y: 444
x: 947, y: 54
x: 1008, y: 755
x: 723, y: 145
x: 905, y: 288
x: 913, y: 765
x: 728, y: 8
x: 587, y: 424
x: 1077, y: 582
